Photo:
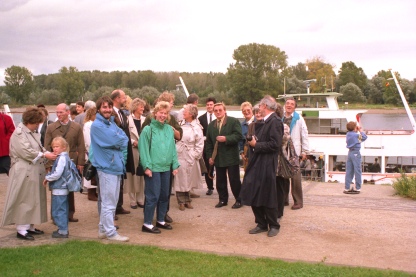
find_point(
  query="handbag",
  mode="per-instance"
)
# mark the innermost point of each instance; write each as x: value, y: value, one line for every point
x: 139, y: 169
x: 89, y: 171
x: 288, y: 167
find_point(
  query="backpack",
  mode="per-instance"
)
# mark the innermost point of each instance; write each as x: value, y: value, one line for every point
x: 72, y: 177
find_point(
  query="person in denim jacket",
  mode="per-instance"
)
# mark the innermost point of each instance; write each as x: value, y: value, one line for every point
x: 58, y: 186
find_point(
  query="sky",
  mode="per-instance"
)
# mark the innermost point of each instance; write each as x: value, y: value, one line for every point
x: 201, y: 36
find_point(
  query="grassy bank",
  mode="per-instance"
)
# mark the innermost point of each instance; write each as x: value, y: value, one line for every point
x: 91, y: 258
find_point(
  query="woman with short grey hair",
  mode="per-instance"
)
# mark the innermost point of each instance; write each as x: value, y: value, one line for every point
x: 189, y: 149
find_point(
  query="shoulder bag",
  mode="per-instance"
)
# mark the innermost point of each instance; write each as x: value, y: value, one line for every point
x: 288, y: 167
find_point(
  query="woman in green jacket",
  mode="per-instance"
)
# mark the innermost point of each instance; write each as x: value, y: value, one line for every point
x: 157, y: 156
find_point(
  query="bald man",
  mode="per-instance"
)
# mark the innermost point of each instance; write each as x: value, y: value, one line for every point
x: 73, y: 134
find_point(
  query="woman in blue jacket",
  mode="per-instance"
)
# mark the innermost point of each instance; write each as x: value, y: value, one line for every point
x: 157, y: 156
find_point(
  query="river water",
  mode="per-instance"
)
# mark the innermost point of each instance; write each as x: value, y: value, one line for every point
x: 386, y: 122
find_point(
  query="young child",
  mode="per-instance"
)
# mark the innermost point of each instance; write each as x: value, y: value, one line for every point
x: 353, y: 166
x: 58, y: 187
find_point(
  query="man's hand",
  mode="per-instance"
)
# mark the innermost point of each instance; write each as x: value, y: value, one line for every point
x: 174, y: 172
x: 80, y: 168
x: 211, y: 161
x: 221, y: 139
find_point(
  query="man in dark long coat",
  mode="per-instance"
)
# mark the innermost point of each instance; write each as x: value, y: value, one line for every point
x: 259, y: 183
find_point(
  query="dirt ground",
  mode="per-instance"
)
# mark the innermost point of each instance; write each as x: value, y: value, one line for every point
x: 373, y: 229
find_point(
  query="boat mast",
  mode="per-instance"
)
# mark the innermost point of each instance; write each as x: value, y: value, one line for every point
x: 406, y: 106
x: 184, y: 87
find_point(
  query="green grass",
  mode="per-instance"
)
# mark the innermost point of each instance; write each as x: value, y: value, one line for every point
x: 91, y: 258
x: 405, y: 186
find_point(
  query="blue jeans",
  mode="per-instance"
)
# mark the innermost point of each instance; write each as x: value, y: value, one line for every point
x: 353, y: 168
x: 109, y: 190
x: 156, y: 192
x: 59, y: 210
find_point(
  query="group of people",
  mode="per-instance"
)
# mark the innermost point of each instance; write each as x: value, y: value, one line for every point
x: 173, y: 149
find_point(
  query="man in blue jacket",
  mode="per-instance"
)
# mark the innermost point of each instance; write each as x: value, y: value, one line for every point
x: 108, y: 153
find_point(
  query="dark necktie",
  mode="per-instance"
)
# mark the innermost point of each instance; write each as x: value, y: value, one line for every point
x: 210, y: 118
x: 121, y: 118
x: 219, y: 125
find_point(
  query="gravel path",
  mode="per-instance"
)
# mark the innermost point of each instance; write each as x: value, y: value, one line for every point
x: 372, y: 229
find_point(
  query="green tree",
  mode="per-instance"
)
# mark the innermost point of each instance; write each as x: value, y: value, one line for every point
x: 350, y: 73
x: 321, y: 71
x: 149, y: 94
x: 256, y: 71
x: 70, y: 84
x: 19, y: 83
x: 299, y: 71
x: 352, y: 93
x: 373, y: 92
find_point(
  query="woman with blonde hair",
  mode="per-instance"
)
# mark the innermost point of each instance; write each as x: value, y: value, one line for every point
x: 91, y: 186
x: 134, y: 185
x: 159, y: 160
x: 189, y: 149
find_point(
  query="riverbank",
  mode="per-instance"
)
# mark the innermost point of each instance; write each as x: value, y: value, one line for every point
x: 373, y: 229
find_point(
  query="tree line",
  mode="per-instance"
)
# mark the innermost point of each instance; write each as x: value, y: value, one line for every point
x: 258, y: 69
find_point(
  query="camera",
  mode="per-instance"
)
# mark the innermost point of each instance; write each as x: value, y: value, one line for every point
x: 250, y: 138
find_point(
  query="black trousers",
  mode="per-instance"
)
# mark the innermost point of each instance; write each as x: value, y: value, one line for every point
x: 209, y: 181
x: 265, y: 217
x: 282, y: 185
x: 234, y: 179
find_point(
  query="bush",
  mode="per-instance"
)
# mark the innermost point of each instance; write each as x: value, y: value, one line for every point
x: 405, y: 186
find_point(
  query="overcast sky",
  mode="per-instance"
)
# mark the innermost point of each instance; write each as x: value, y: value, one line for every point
x: 200, y: 36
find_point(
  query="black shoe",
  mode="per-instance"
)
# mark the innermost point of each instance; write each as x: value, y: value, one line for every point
x: 71, y: 219
x: 57, y: 235
x: 236, y: 205
x: 154, y: 230
x: 220, y: 204
x: 168, y: 219
x: 166, y: 226
x: 209, y: 192
x: 257, y: 230
x: 140, y: 205
x: 25, y: 237
x: 273, y: 232
x: 133, y: 207
x: 35, y: 232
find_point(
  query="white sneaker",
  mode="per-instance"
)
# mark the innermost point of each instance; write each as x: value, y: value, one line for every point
x: 101, y: 235
x: 118, y: 238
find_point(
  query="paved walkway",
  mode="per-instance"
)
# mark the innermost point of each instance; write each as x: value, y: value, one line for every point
x: 372, y: 229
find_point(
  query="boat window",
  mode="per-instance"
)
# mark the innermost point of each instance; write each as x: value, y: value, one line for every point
x: 324, y: 126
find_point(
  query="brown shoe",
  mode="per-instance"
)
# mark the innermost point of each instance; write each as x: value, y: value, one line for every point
x: 181, y: 207
x: 71, y: 219
x: 189, y: 206
x: 92, y: 195
x: 122, y: 211
x: 297, y: 207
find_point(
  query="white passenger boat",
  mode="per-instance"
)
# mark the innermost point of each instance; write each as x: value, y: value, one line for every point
x: 395, y: 151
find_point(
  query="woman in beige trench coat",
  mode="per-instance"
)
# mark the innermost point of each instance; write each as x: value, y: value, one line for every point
x: 26, y: 197
x: 134, y: 185
x: 189, y: 149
